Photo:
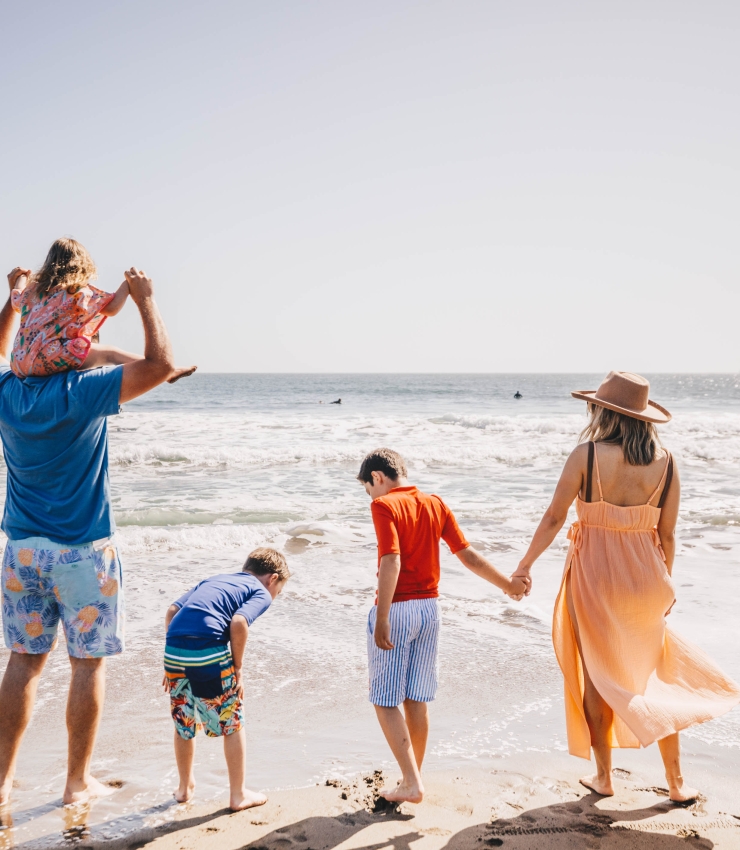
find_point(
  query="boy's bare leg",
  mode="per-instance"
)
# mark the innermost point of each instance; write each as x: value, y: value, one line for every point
x: 109, y: 355
x: 235, y: 750
x: 417, y: 719
x: 184, y: 756
x: 670, y: 750
x: 84, y: 710
x: 410, y: 788
x: 17, y: 695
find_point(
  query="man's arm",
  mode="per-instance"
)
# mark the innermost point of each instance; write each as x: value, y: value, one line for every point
x: 158, y: 363
x: 390, y: 567
x: 7, y: 315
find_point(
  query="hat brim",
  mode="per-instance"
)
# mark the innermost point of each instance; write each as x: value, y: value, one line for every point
x: 652, y: 413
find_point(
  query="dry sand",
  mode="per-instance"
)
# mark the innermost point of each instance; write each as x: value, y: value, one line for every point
x: 461, y: 811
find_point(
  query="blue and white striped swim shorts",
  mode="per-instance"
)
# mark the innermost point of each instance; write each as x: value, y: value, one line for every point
x: 409, y: 670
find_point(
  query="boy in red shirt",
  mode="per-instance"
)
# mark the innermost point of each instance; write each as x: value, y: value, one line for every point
x: 403, y: 625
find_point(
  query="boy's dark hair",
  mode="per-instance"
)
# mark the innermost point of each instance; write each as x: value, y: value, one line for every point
x: 264, y: 562
x: 387, y: 461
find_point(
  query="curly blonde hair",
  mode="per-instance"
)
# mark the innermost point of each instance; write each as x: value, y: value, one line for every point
x: 67, y: 266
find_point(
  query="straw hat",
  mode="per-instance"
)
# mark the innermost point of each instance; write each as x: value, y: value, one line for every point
x: 626, y: 393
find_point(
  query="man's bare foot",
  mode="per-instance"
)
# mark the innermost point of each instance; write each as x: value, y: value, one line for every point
x: 403, y: 793
x: 246, y: 800
x: 82, y: 791
x: 679, y: 792
x: 601, y: 786
x: 182, y: 373
x: 184, y: 793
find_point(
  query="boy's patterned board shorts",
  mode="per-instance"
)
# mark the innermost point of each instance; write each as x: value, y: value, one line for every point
x: 44, y: 582
x: 202, y: 686
x: 409, y: 670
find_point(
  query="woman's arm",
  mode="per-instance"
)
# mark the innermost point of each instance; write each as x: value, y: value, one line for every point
x: 668, y: 520
x: 570, y: 483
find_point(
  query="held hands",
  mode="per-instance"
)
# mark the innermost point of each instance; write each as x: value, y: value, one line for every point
x: 523, y: 573
x: 16, y: 274
x: 140, y: 286
x: 383, y: 634
x: 519, y: 588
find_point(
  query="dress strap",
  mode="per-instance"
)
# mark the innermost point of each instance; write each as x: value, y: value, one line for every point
x: 665, y: 482
x: 598, y: 474
x: 590, y: 470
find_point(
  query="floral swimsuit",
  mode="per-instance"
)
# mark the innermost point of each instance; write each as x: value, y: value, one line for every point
x: 56, y: 330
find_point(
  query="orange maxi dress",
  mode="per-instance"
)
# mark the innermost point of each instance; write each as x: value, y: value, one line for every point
x: 656, y: 682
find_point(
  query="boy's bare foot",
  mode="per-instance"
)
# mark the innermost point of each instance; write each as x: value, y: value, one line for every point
x: 681, y: 793
x: 81, y: 791
x: 182, y: 373
x: 246, y: 800
x: 403, y: 793
x: 184, y: 793
x: 596, y: 783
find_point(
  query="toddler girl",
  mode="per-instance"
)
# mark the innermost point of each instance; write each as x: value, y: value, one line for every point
x: 61, y: 313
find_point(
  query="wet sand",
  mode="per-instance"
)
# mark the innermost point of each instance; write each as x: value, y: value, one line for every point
x: 539, y: 805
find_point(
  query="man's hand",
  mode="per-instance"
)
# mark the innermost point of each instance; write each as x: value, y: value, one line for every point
x: 140, y: 286
x: 17, y: 272
x: 382, y: 633
x: 239, y: 684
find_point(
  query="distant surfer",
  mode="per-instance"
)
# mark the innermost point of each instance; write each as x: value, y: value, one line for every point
x: 338, y: 401
x: 517, y: 394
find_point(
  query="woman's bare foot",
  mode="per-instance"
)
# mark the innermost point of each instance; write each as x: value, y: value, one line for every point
x: 182, y: 373
x: 81, y: 792
x: 403, y: 793
x: 184, y: 793
x: 679, y: 792
x: 598, y: 784
x: 246, y: 800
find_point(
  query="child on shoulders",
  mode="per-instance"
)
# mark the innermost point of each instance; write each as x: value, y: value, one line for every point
x: 403, y: 625
x: 207, y: 631
x: 60, y: 314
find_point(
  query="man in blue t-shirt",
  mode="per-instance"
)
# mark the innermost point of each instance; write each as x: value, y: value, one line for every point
x: 60, y: 560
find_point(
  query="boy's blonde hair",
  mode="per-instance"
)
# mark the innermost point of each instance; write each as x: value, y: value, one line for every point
x: 67, y: 266
x: 264, y: 561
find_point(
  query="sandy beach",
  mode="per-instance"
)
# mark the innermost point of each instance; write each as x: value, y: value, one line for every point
x: 541, y: 805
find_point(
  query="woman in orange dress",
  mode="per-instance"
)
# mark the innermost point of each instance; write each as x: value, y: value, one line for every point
x: 629, y: 680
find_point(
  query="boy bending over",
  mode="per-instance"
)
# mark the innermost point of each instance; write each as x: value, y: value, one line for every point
x: 403, y: 625
x: 207, y: 632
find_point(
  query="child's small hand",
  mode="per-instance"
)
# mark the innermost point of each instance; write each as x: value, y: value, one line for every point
x: 166, y: 684
x: 383, y: 634
x: 239, y: 685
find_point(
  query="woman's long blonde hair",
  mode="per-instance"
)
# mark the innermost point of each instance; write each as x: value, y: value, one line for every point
x: 67, y: 266
x: 638, y: 439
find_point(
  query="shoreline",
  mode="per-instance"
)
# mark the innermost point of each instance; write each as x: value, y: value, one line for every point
x: 460, y: 812
x: 530, y: 802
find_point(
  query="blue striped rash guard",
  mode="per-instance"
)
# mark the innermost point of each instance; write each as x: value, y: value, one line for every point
x: 206, y: 611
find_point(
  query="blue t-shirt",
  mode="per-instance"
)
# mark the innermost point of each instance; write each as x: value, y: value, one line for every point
x: 207, y: 610
x: 55, y: 443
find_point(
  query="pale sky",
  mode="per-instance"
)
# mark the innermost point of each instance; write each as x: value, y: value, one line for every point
x: 390, y: 185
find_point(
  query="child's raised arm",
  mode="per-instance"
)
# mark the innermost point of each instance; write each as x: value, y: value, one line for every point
x: 476, y: 563
x: 115, y: 305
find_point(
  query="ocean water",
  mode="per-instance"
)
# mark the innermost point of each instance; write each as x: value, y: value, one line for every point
x: 207, y: 469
